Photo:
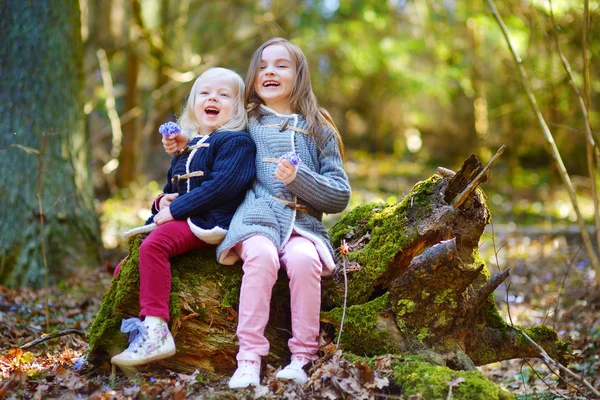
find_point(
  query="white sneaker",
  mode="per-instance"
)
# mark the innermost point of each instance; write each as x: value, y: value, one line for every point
x: 151, y: 341
x: 294, y: 371
x: 246, y: 374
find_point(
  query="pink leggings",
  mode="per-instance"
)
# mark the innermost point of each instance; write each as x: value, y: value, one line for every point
x: 167, y: 240
x: 261, y: 263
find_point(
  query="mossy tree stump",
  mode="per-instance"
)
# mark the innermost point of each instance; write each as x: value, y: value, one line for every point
x: 416, y: 285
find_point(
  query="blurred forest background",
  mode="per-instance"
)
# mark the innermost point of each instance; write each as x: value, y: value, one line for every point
x: 412, y: 85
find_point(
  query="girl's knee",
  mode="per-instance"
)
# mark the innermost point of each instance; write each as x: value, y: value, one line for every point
x: 149, y: 245
x: 260, y: 252
x: 304, y: 264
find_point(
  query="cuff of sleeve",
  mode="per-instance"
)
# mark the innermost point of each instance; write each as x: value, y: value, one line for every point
x: 291, y: 178
x: 157, y: 201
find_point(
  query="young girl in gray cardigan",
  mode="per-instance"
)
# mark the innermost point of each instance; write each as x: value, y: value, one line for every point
x: 299, y: 177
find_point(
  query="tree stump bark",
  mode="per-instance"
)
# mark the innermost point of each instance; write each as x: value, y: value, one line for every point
x: 415, y: 285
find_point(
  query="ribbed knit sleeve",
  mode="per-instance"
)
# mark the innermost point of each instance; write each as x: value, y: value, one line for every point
x: 168, y: 188
x: 328, y: 189
x: 233, y: 171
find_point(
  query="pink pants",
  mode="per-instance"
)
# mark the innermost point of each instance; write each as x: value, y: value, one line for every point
x: 167, y: 240
x: 261, y: 263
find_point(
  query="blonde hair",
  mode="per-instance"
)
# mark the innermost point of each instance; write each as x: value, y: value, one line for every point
x: 189, y: 123
x: 302, y: 98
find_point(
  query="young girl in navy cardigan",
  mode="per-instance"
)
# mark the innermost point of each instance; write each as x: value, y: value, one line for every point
x: 300, y: 176
x: 205, y: 184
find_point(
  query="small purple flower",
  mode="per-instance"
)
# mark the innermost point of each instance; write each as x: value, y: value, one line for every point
x: 168, y: 129
x: 152, y: 379
x: 292, y: 157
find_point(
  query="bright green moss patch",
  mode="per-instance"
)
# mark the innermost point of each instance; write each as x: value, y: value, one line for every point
x: 423, y: 333
x: 416, y: 377
x: 541, y: 333
x: 446, y: 297
x: 361, y: 333
x: 405, y: 306
x: 392, y: 228
x: 548, y: 339
x: 492, y: 318
x: 104, y: 334
x: 350, y: 222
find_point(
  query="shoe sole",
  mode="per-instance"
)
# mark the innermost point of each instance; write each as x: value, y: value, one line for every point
x: 283, y: 378
x: 136, y: 363
x: 244, y: 387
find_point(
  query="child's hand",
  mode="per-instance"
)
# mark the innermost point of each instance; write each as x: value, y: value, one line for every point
x: 163, y: 216
x: 166, y: 200
x: 174, y: 143
x: 285, y: 172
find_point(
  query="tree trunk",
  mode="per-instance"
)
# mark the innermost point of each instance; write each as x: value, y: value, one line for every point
x: 41, y: 94
x: 126, y: 172
x: 416, y: 285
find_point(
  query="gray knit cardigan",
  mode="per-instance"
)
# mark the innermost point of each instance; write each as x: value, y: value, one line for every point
x: 321, y: 183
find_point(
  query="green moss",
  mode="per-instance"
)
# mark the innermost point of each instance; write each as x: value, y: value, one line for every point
x: 446, y: 297
x: 405, y: 306
x: 104, y: 334
x: 361, y: 332
x: 348, y: 224
x: 423, y: 333
x: 442, y: 320
x: 492, y: 318
x: 416, y: 377
x: 391, y: 228
x: 541, y: 333
x: 548, y: 339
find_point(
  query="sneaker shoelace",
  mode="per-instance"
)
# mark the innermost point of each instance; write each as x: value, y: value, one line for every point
x: 247, y: 368
x: 298, y: 363
x: 138, y: 333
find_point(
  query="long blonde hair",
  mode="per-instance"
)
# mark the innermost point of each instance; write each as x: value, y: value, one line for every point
x: 302, y: 98
x: 189, y: 123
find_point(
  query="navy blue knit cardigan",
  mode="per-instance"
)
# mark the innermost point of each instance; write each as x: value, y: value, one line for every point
x: 208, y: 202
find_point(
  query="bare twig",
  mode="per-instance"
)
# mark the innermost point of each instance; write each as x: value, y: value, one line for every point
x: 113, y: 116
x: 558, y: 365
x: 28, y: 150
x: 445, y: 172
x: 541, y: 378
x: 562, y: 286
x: 344, y: 252
x: 589, y: 143
x: 51, y: 336
x: 462, y: 196
x: 586, y: 67
x: 550, y: 141
x: 42, y: 219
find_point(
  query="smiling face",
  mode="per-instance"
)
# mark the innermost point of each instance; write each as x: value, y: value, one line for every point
x: 214, y: 103
x: 276, y: 78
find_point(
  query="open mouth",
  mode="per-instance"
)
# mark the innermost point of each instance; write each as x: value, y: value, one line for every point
x: 211, y: 111
x: 270, y: 84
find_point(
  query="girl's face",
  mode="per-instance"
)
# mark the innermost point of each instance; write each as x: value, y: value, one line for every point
x: 276, y: 78
x: 214, y: 103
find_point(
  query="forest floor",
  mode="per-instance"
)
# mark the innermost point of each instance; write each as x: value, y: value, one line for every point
x: 550, y: 283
